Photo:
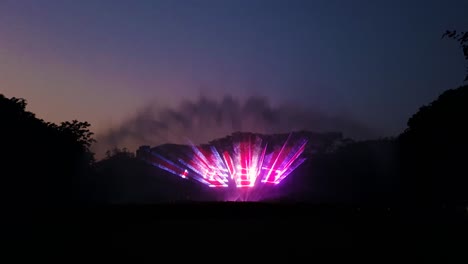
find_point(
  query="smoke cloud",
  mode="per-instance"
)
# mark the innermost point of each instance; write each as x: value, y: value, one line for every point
x: 205, y: 119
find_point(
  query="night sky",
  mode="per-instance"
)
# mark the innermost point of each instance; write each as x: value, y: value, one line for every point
x: 102, y: 61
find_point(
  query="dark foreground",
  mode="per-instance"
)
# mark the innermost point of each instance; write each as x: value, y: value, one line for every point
x: 233, y: 227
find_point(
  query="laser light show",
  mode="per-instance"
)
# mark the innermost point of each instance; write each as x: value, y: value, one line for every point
x: 244, y: 162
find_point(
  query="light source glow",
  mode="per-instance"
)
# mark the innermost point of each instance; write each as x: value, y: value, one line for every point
x: 244, y: 161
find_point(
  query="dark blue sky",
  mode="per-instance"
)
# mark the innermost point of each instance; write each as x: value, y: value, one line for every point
x: 373, y: 61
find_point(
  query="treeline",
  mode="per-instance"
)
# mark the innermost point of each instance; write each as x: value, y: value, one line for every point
x: 49, y: 164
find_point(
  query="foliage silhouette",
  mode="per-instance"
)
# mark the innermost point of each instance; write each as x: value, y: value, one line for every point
x: 117, y: 152
x: 462, y: 39
x: 434, y: 149
x: 45, y: 163
x: 42, y: 163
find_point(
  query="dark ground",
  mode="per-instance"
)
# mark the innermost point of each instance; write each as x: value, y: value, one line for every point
x: 213, y: 228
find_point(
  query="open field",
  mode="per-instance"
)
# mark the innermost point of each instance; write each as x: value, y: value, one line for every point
x: 211, y: 227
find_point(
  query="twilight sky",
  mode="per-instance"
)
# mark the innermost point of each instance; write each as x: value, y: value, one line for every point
x: 101, y: 61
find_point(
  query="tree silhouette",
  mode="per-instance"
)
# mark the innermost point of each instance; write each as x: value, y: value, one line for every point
x: 462, y: 39
x: 434, y: 148
x: 42, y: 163
x: 117, y: 152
